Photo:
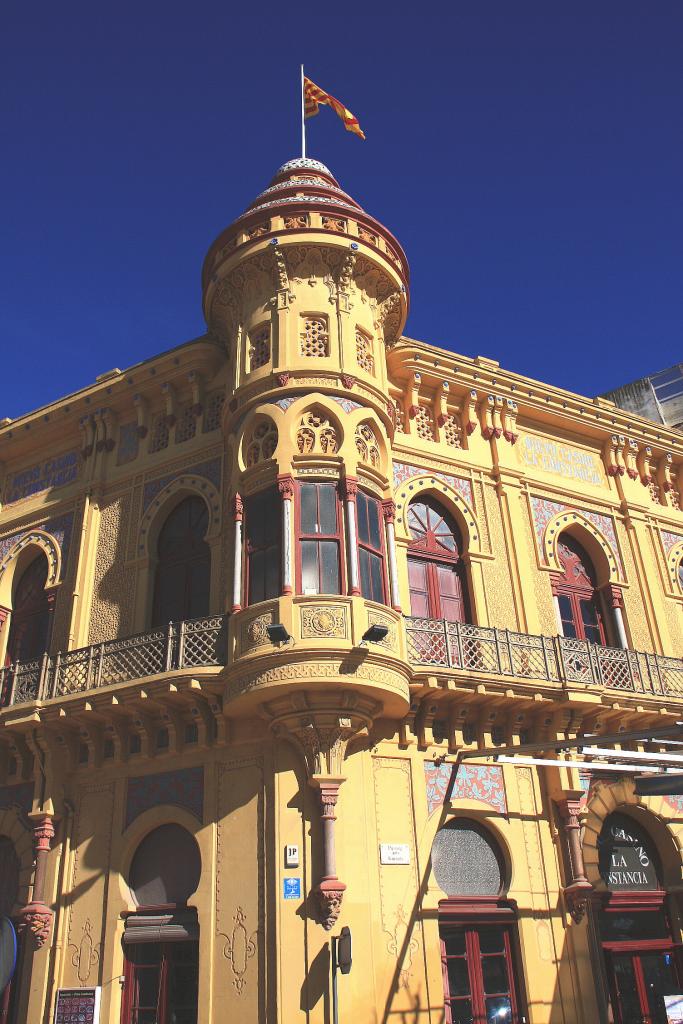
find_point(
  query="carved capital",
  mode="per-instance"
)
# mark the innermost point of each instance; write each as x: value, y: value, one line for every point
x: 329, y: 895
x: 43, y: 832
x: 285, y: 485
x: 237, y: 508
x: 283, y: 379
x: 614, y: 596
x: 347, y: 380
x: 577, y: 898
x: 389, y: 511
x: 35, y: 919
x: 349, y: 488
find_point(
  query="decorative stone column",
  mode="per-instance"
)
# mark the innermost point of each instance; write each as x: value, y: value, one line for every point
x: 615, y: 600
x: 579, y: 890
x: 350, y: 493
x: 7, y: 683
x: 238, y: 515
x: 285, y: 485
x: 389, y: 510
x: 36, y: 917
x: 321, y: 726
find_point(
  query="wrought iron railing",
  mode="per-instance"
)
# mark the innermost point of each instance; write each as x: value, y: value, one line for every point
x: 179, y: 645
x: 553, y: 659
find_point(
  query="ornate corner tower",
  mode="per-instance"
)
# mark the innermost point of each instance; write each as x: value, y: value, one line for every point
x: 306, y: 291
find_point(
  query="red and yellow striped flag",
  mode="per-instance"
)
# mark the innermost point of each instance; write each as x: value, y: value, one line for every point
x: 314, y: 96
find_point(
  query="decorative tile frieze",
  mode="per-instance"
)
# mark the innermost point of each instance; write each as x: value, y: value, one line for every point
x: 480, y: 782
x: 182, y: 788
x: 403, y: 471
x: 211, y: 470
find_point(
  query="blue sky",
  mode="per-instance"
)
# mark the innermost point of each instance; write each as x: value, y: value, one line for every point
x: 528, y: 156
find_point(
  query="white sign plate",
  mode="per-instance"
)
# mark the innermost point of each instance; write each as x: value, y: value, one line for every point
x: 394, y: 853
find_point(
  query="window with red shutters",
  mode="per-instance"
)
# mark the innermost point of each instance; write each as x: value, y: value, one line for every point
x: 320, y: 539
x: 371, y: 548
x: 436, y: 572
x: 183, y: 573
x: 577, y: 595
x: 30, y: 621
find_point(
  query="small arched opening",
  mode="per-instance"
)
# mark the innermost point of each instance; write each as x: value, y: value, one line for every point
x: 580, y: 604
x: 477, y: 926
x: 30, y: 620
x: 161, y: 939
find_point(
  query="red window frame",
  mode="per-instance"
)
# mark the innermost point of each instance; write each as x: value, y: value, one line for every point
x: 177, y: 568
x: 337, y: 536
x: 623, y: 903
x: 473, y: 916
x: 576, y: 592
x: 367, y: 546
x: 131, y: 1008
x: 273, y: 547
x: 430, y: 554
x: 29, y: 628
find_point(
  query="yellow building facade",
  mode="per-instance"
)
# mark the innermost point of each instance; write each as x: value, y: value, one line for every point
x: 277, y: 605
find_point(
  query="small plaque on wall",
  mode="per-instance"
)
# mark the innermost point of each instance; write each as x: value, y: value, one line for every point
x: 78, y: 1006
x: 394, y: 853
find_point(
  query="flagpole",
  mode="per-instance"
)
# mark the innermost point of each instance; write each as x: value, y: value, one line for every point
x: 303, y: 120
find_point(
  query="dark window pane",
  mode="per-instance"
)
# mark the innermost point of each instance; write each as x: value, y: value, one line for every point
x: 365, y: 576
x: 495, y: 974
x: 272, y: 583
x: 309, y: 567
x: 461, y: 1012
x: 376, y: 577
x: 363, y: 527
x: 257, y: 590
x: 455, y: 943
x: 309, y: 508
x: 491, y: 940
x: 330, y: 567
x: 458, y: 977
x: 632, y: 927
x: 262, y: 534
x: 327, y: 496
x: 498, y: 1010
x: 373, y: 524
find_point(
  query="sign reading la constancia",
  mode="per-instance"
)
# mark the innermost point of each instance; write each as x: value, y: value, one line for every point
x: 56, y: 472
x: 562, y: 459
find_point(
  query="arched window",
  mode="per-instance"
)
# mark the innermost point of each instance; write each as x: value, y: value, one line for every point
x: 436, y: 572
x: 576, y: 591
x: 637, y: 939
x: 30, y: 622
x: 183, y: 574
x: 477, y: 927
x: 161, y: 940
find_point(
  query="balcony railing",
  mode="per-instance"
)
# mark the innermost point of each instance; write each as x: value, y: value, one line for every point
x: 550, y: 659
x: 430, y: 642
x: 180, y: 645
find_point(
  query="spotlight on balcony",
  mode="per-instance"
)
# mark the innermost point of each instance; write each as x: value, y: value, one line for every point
x: 375, y: 634
x: 277, y: 634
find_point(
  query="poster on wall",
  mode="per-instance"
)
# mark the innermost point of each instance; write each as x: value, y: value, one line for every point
x: 78, y: 1006
x: 674, y: 1009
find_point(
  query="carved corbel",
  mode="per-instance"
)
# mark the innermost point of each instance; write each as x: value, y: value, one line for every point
x: 414, y: 395
x: 220, y: 722
x: 441, y: 403
x: 196, y: 381
x: 643, y: 462
x: 142, y: 413
x: 116, y: 734
x: 87, y: 431
x: 663, y: 473
x: 203, y: 719
x: 91, y: 736
x: 469, y: 412
x: 143, y: 727
x: 345, y: 279
x: 107, y: 422
x: 578, y: 892
x: 284, y: 292
x: 485, y: 410
x: 170, y: 403
x: 609, y: 455
x: 510, y: 420
x: 176, y: 728
x: 497, y: 416
x: 388, y: 319
x: 630, y: 458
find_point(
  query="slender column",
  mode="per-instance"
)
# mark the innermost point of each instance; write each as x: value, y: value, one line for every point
x: 36, y: 917
x: 6, y: 687
x: 578, y: 892
x: 615, y: 599
x: 330, y: 890
x: 556, y: 602
x: 350, y: 492
x: 238, y: 514
x: 285, y: 485
x: 389, y: 510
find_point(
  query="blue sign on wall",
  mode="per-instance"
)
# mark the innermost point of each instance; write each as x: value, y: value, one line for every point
x: 291, y: 888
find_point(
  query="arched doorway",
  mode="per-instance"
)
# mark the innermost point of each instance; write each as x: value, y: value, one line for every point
x: 477, y: 928
x: 436, y: 572
x: 641, y: 958
x: 161, y: 939
x: 182, y: 580
x: 30, y: 621
x: 578, y: 599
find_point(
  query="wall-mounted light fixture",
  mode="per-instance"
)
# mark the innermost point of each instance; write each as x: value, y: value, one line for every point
x: 375, y: 634
x: 277, y: 634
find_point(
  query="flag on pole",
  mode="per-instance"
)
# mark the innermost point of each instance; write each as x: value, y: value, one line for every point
x: 314, y: 96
